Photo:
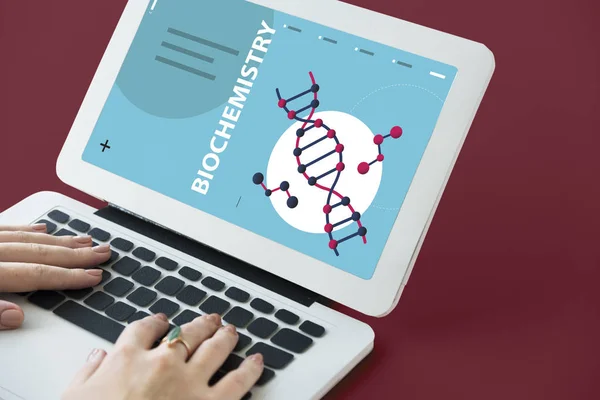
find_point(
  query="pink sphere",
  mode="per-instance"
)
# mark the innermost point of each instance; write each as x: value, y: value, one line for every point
x: 378, y: 139
x: 363, y: 168
x: 282, y: 103
x: 396, y: 132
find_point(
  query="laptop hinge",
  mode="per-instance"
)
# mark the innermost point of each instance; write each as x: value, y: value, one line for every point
x: 210, y: 255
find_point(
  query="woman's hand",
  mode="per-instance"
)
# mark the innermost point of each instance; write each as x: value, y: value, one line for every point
x: 135, y: 371
x: 32, y: 260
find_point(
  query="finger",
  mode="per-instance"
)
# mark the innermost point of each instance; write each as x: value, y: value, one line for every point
x: 213, y: 352
x: 92, y: 363
x: 54, y: 255
x: 73, y: 242
x: 11, y: 315
x: 20, y: 277
x: 238, y: 382
x: 144, y: 333
x: 194, y: 333
x: 24, y: 228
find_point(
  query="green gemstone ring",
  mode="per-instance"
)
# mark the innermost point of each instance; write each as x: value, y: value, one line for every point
x: 173, y: 337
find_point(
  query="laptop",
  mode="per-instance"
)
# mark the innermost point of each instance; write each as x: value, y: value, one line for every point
x: 262, y: 160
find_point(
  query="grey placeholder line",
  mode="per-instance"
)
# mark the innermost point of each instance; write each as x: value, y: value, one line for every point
x: 205, y: 42
x: 403, y: 64
x: 329, y: 40
x: 367, y: 52
x: 293, y: 28
x: 185, y: 68
x: 187, y: 52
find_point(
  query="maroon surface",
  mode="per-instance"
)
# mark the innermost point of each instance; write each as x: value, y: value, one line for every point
x: 504, y: 300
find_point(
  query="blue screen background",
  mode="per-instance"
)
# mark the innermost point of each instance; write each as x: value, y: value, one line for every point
x: 159, y: 120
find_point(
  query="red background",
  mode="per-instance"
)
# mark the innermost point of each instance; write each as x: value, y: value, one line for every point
x: 504, y: 300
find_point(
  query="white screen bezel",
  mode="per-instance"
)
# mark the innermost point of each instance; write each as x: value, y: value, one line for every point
x: 475, y: 64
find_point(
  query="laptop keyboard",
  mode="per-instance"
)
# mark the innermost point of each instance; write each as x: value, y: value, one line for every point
x: 134, y: 286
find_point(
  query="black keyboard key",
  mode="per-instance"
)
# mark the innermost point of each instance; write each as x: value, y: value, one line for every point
x: 78, y: 294
x: 239, y: 317
x: 118, y: 286
x: 169, y: 286
x: 292, y: 340
x: 144, y: 254
x: 262, y: 327
x: 273, y: 357
x: 214, y: 305
x: 166, y: 263
x: 105, y: 276
x: 46, y: 299
x: 191, y: 295
x: 262, y: 306
x: 265, y: 377
x: 312, y: 329
x: 243, y: 342
x: 213, y: 284
x: 146, y: 276
x: 216, y: 378
x: 89, y: 320
x: 50, y: 226
x: 142, y: 296
x: 185, y: 317
x: 79, y: 225
x: 99, y: 234
x: 233, y: 362
x: 122, y: 244
x: 120, y: 311
x: 99, y: 301
x: 190, y: 273
x: 58, y: 216
x: 166, y: 307
x: 65, y: 232
x: 126, y: 266
x: 137, y: 316
x: 113, y: 256
x: 287, y: 317
x: 237, y: 294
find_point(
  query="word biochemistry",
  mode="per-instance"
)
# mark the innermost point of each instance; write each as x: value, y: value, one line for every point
x: 233, y: 109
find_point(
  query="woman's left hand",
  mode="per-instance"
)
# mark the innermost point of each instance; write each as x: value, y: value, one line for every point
x: 32, y: 260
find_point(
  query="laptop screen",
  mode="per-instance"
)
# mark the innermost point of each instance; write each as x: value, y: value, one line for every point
x: 303, y: 134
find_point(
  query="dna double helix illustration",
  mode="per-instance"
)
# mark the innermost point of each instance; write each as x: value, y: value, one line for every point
x: 310, y: 133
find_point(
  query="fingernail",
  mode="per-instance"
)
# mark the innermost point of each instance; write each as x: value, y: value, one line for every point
x: 83, y: 239
x: 39, y: 227
x: 257, y: 358
x: 161, y: 316
x: 95, y: 355
x: 215, y: 318
x: 94, y: 272
x: 103, y: 248
x: 11, y: 319
x: 230, y: 328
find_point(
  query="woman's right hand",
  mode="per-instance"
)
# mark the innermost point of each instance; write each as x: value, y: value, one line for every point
x: 136, y: 371
x: 32, y: 260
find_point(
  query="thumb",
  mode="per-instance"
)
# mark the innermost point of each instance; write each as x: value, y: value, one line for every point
x: 11, y: 315
x: 92, y: 363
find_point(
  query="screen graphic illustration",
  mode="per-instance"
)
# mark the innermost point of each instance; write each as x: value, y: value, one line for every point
x: 316, y: 133
x: 304, y: 137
